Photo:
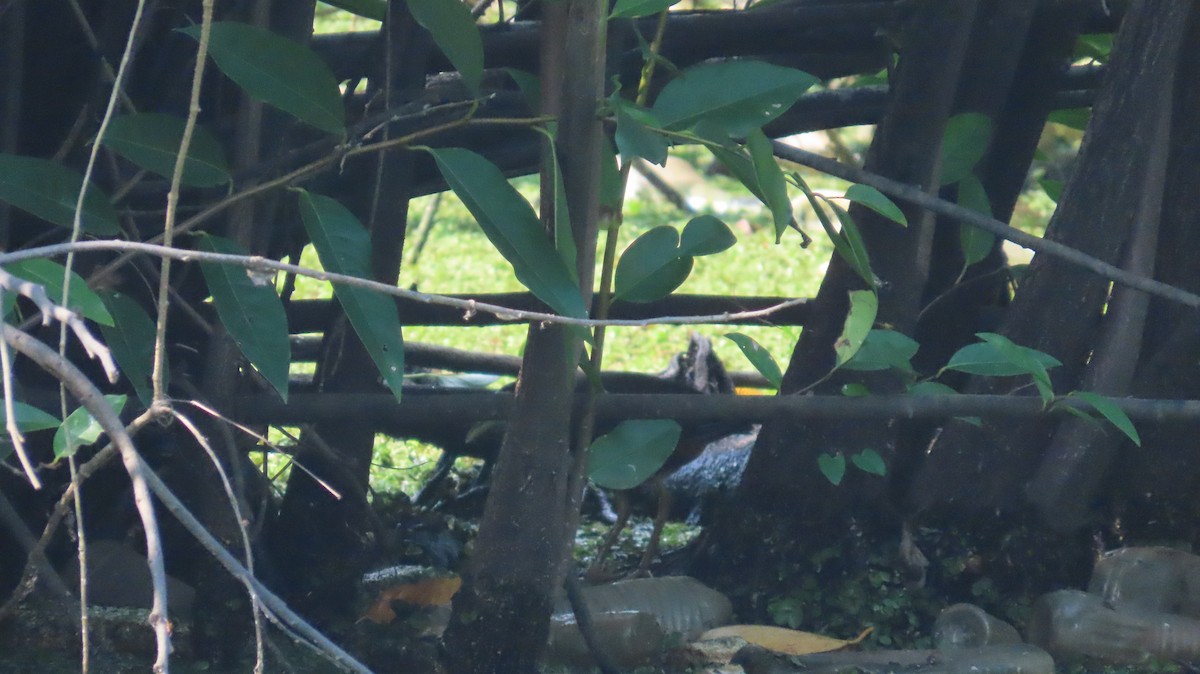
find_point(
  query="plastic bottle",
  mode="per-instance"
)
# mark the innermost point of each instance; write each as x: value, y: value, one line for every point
x: 1149, y: 578
x: 1074, y: 625
x: 968, y: 626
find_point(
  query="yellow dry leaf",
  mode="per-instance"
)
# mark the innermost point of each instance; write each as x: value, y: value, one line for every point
x: 781, y: 639
x: 425, y: 593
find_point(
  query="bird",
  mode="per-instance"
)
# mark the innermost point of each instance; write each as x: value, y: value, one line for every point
x: 699, y: 371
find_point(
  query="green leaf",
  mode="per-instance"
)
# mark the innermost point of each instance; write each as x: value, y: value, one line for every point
x: 564, y: 236
x: 632, y: 9
x: 1074, y: 118
x: 49, y: 191
x: 705, y: 235
x: 80, y: 429
x: 131, y: 340
x: 456, y: 34
x: 632, y: 452
x: 842, y: 245
x: 635, y: 133
x: 884, y: 350
x: 28, y: 418
x: 1095, y: 46
x: 1023, y: 358
x: 612, y: 189
x: 855, y: 390
x: 251, y: 312
x: 513, y: 228
x: 976, y: 243
x: 963, y: 144
x: 530, y: 86
x: 344, y: 247
x: 274, y: 69
x: 1053, y: 188
x: 730, y: 97
x: 50, y: 274
x: 864, y: 306
x: 865, y: 195
x: 759, y: 357
x: 869, y: 461
x: 1109, y: 410
x: 770, y: 180
x: 985, y: 359
x: 371, y: 9
x: 833, y: 467
x: 651, y: 267
x: 151, y: 140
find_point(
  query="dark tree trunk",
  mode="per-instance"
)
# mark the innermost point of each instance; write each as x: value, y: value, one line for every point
x: 1058, y: 307
x: 501, y: 614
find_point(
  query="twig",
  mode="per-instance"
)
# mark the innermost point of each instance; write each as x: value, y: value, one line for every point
x: 469, y: 307
x: 145, y: 480
x: 256, y: 604
x: 164, y: 281
x: 49, y: 310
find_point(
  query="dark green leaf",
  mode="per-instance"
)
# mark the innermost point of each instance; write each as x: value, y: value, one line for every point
x: 50, y: 274
x: 864, y: 306
x: 1115, y: 415
x: 770, y: 180
x: 564, y: 236
x: 49, y: 191
x: 28, y: 417
x: 840, y: 243
x: 456, y: 34
x: 530, y: 86
x: 884, y: 350
x: 759, y: 357
x: 705, y: 235
x: 976, y: 243
x: 371, y: 9
x: 251, y: 312
x: 963, y: 144
x: 865, y: 195
x: 635, y: 133
x: 278, y: 71
x: 1053, y: 188
x: 131, y: 341
x: 651, y: 267
x: 344, y: 247
x: 869, y: 461
x: 80, y: 429
x: 833, y: 467
x: 151, y: 140
x: 1073, y: 118
x: 730, y: 97
x: 632, y: 9
x: 854, y: 247
x: 513, y: 228
x: 931, y: 388
x: 632, y: 452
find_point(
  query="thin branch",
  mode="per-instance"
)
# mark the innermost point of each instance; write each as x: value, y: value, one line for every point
x: 920, y: 198
x: 469, y: 307
x: 51, y: 311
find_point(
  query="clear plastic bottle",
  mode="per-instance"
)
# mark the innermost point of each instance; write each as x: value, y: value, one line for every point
x: 968, y: 626
x: 1149, y: 578
x: 1075, y: 625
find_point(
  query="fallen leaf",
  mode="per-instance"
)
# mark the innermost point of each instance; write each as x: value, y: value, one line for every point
x: 425, y: 593
x: 781, y: 639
